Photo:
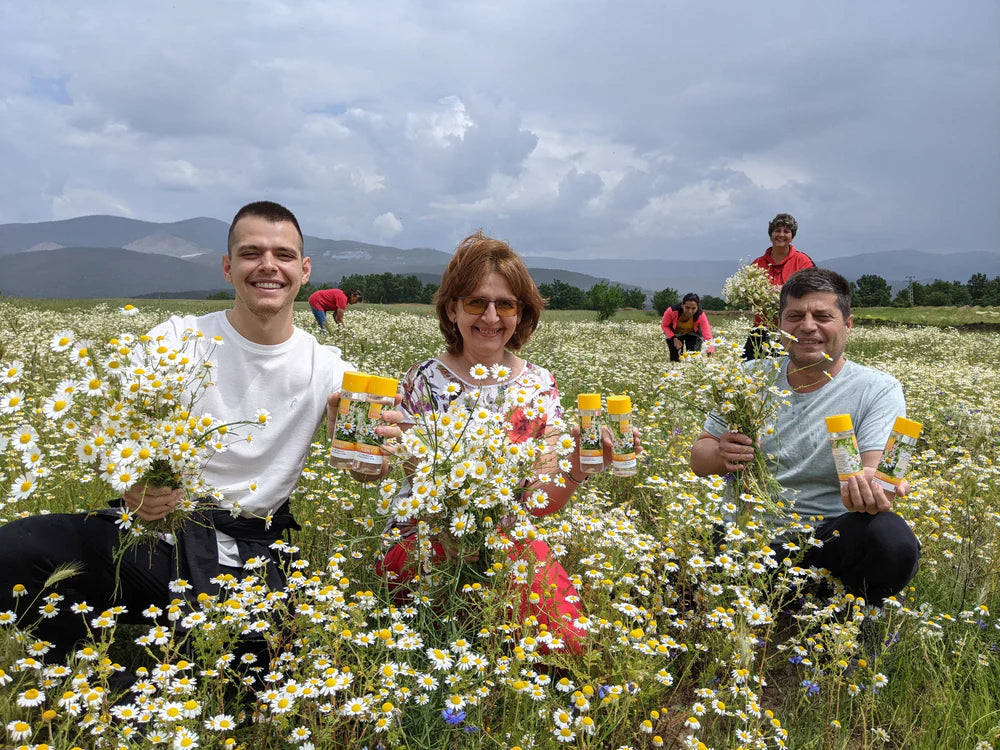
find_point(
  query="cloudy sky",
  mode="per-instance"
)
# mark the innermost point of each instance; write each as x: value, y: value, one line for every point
x: 660, y: 128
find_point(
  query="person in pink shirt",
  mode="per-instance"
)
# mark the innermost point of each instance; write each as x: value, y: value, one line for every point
x: 686, y: 326
x: 332, y: 300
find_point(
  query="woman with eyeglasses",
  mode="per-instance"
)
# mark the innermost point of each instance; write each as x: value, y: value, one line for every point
x: 488, y: 307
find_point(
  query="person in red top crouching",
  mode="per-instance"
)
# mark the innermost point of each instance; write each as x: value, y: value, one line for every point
x: 780, y: 261
x: 332, y: 300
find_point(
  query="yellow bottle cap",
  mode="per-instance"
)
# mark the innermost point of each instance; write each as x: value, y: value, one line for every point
x: 379, y: 386
x: 356, y: 382
x: 907, y: 427
x: 590, y: 401
x: 619, y: 404
x: 839, y: 423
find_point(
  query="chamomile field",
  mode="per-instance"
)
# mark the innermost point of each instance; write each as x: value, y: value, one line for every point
x: 688, y: 643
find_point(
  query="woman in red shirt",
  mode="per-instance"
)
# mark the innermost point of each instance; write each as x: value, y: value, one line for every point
x: 780, y: 261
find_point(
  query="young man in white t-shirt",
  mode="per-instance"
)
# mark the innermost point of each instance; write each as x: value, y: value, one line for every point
x: 265, y: 362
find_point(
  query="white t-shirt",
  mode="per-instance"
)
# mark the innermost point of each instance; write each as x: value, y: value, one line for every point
x: 291, y: 380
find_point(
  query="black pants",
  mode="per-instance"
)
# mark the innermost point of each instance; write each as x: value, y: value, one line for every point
x: 32, y: 548
x: 691, y: 341
x: 875, y: 556
x: 756, y: 345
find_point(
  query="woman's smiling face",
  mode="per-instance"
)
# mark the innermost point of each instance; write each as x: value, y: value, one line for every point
x: 484, y: 336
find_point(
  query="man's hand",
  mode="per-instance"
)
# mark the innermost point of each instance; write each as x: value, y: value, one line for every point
x: 730, y: 452
x: 866, y: 496
x: 736, y: 450
x: 678, y: 344
x: 150, y: 502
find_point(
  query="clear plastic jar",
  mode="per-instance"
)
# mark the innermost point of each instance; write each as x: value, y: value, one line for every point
x: 352, y: 405
x: 381, y: 392
x: 896, y: 456
x: 844, y: 444
x: 623, y: 463
x: 591, y: 447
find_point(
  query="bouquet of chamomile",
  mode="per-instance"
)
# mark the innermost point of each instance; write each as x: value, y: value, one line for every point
x: 130, y: 406
x: 468, y: 467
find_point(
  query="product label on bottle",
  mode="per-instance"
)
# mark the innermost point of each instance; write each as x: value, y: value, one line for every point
x: 622, y: 443
x: 591, y: 450
x: 349, y: 413
x: 368, y: 454
x: 368, y: 445
x: 895, y: 460
x: 846, y: 457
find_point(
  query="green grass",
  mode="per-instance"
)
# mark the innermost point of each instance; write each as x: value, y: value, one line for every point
x: 931, y: 316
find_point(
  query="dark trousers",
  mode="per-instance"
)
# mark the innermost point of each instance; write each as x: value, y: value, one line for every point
x: 691, y: 341
x: 32, y: 548
x: 756, y: 345
x: 875, y: 556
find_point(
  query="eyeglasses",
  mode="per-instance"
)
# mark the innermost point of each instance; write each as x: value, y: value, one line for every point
x: 506, y: 308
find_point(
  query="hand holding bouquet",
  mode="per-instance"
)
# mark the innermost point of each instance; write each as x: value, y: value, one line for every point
x: 131, y: 404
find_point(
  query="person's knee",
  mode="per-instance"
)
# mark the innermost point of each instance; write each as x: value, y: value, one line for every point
x: 889, y: 532
x: 894, y: 552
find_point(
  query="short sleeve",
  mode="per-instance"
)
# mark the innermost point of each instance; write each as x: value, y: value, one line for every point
x: 883, y: 402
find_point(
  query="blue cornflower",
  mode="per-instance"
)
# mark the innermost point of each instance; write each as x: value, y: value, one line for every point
x: 453, y: 716
x: 812, y: 688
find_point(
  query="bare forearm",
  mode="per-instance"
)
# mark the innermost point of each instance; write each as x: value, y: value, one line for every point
x: 558, y: 491
x: 705, y: 456
x: 728, y: 453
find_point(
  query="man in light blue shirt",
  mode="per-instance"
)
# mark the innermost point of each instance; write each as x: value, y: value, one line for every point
x: 870, y: 548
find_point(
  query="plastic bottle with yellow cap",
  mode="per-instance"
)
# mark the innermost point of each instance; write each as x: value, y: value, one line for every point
x: 591, y: 447
x: 381, y: 392
x: 623, y: 463
x: 844, y: 443
x: 898, y: 450
x: 349, y: 410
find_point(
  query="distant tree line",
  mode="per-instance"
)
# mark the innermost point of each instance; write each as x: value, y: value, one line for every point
x: 380, y: 288
x: 606, y: 298
x: 873, y: 291
x: 603, y: 297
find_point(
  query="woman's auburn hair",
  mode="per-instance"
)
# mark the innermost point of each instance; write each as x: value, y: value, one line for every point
x: 475, y: 258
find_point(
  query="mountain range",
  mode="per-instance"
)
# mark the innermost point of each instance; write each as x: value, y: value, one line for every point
x: 110, y: 256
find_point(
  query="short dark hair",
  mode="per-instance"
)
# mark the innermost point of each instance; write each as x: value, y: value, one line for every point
x: 273, y: 212
x: 355, y: 295
x: 691, y: 297
x: 783, y: 220
x: 476, y: 257
x: 808, y: 280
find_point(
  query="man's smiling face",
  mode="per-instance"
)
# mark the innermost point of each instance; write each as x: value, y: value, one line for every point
x: 818, y: 327
x: 265, y: 266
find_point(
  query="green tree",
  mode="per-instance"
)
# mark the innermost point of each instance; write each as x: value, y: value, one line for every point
x: 563, y: 296
x: 991, y: 294
x: 976, y: 286
x: 222, y: 294
x: 945, y: 293
x: 634, y: 297
x: 606, y: 299
x: 664, y: 299
x: 711, y: 302
x: 913, y: 294
x: 305, y: 290
x: 872, y: 291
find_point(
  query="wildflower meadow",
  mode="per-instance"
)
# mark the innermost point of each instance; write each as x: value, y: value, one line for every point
x: 694, y: 634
